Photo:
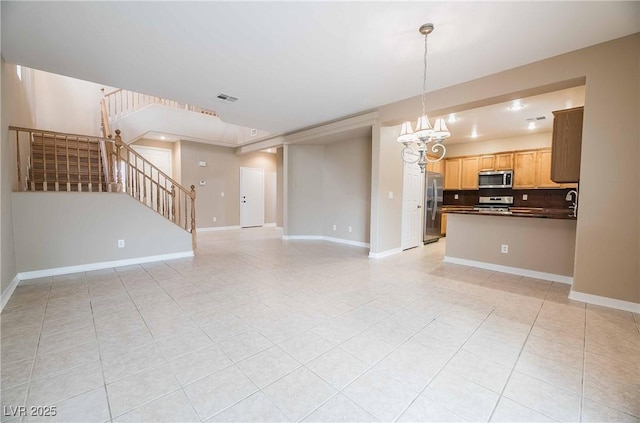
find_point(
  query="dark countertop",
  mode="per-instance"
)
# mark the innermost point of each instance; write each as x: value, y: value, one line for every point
x: 539, y: 213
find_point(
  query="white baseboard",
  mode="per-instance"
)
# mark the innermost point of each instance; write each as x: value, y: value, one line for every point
x: 272, y: 224
x: 217, y: 228
x: 604, y: 301
x: 385, y: 253
x: 326, y: 238
x: 8, y: 292
x: 102, y: 265
x: 346, y: 241
x: 513, y: 270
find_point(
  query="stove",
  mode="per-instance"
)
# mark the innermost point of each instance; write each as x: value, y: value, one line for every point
x: 495, y: 205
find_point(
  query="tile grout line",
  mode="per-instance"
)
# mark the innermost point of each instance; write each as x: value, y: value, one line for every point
x: 443, y: 367
x: 155, y: 341
x: 584, y: 366
x: 35, y: 355
x: 513, y: 369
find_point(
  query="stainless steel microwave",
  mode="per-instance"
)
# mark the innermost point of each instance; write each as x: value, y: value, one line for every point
x: 495, y: 179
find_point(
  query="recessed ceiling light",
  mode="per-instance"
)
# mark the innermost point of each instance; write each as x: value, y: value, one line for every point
x: 474, y: 134
x: 452, y: 118
x: 162, y: 137
x: 270, y: 150
x: 532, y: 125
x: 516, y: 105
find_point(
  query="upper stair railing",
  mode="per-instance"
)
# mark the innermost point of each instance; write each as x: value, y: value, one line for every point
x: 121, y: 102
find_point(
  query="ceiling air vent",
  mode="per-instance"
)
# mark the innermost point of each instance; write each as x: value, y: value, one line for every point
x: 254, y: 132
x: 535, y: 119
x: 228, y: 98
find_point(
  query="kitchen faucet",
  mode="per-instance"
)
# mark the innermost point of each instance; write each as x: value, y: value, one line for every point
x: 574, y: 206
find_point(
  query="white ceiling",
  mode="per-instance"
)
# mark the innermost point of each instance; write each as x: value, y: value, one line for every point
x: 297, y: 64
x: 499, y: 121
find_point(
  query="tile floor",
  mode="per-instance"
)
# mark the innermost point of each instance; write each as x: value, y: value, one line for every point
x: 259, y: 329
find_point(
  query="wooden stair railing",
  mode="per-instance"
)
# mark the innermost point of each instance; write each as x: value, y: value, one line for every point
x: 143, y: 181
x: 56, y: 161
x: 121, y: 102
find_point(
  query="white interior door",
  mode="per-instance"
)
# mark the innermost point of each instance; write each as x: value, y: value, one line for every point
x: 411, y: 206
x: 251, y: 197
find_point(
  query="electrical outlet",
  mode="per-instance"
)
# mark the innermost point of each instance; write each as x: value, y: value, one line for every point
x: 222, y: 194
x: 350, y: 229
x: 504, y: 249
x: 525, y: 197
x: 215, y: 219
x: 121, y: 243
x: 335, y: 227
x: 455, y: 196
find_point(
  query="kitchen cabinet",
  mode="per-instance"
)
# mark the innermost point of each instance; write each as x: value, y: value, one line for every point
x: 524, y: 169
x: 543, y: 170
x: 443, y: 224
x: 566, y: 144
x: 469, y: 173
x: 437, y: 167
x: 504, y: 161
x: 487, y: 163
x: 452, y: 169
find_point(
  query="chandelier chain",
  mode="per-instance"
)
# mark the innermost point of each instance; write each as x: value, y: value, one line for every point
x: 424, y: 78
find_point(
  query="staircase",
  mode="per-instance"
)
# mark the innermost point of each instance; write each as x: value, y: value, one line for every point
x: 59, y: 162
x: 66, y: 163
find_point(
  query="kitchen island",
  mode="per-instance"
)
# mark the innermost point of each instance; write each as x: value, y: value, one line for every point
x: 540, y: 243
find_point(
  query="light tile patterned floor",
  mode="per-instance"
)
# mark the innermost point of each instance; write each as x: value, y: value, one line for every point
x: 260, y: 329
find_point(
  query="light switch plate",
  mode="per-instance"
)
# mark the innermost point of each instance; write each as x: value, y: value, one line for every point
x: 390, y: 195
x: 202, y: 164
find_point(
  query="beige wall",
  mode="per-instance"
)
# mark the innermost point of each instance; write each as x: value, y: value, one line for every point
x: 346, y: 189
x: 528, y: 142
x: 17, y: 100
x: 330, y: 184
x: 65, y: 104
x: 61, y: 229
x: 541, y: 245
x: 607, y: 254
x: 279, y: 187
x: 222, y: 174
x: 304, y: 190
x: 386, y: 212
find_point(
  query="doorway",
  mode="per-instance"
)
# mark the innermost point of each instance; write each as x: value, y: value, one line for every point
x: 412, y: 206
x: 251, y: 197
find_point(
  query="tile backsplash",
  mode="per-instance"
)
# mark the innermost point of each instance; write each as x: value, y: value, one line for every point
x: 545, y: 198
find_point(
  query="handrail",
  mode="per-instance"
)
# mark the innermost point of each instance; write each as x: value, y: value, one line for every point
x: 110, y: 165
x: 121, y: 102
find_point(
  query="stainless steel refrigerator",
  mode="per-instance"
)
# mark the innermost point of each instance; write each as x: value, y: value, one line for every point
x: 432, y: 207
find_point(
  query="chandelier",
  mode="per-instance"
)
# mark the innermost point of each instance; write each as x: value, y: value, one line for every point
x: 426, y: 138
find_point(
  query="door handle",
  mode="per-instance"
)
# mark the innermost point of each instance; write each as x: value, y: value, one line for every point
x: 419, y: 206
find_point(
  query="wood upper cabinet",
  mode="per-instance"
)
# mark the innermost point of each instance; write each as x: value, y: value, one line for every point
x: 437, y: 167
x: 543, y: 170
x: 566, y: 145
x: 524, y: 169
x: 469, y: 178
x: 487, y: 163
x: 504, y: 161
x: 452, y: 169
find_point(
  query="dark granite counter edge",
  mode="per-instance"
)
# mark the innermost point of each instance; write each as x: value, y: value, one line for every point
x: 538, y: 215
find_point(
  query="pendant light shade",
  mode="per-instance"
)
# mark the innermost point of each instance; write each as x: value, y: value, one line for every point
x: 406, y: 134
